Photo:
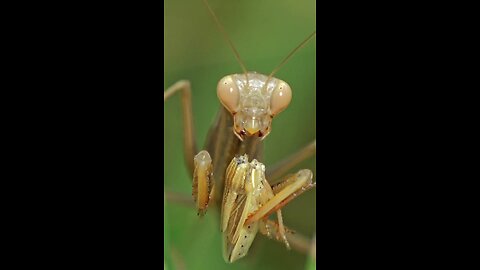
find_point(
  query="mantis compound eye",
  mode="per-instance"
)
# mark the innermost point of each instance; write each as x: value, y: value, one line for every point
x: 228, y: 94
x: 281, y: 97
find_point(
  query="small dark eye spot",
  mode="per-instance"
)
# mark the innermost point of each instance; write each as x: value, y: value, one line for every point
x: 242, y: 245
x: 245, y: 236
x: 249, y: 226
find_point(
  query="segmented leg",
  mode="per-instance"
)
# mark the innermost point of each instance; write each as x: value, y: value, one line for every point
x: 265, y: 228
x: 201, y: 164
x: 291, y: 197
x: 202, y: 186
x: 297, y: 241
x: 189, y: 143
x: 179, y: 198
x: 285, y: 191
x: 236, y: 183
x: 277, y: 170
x: 280, y: 229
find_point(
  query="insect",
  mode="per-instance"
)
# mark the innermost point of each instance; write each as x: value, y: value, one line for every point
x: 207, y: 111
x: 247, y: 192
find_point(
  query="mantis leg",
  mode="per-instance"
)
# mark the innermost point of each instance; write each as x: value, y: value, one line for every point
x: 284, y: 191
x: 202, y: 187
x: 281, y: 229
x: 179, y: 198
x: 296, y: 241
x: 190, y: 147
x: 277, y: 170
x: 201, y: 164
x: 280, y: 232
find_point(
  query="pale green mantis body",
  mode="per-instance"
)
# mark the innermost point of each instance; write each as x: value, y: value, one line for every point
x: 223, y: 144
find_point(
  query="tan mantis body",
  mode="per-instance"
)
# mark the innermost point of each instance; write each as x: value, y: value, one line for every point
x: 247, y: 201
x: 250, y: 102
x: 246, y: 191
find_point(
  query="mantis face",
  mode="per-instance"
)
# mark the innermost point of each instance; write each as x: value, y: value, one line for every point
x: 254, y: 100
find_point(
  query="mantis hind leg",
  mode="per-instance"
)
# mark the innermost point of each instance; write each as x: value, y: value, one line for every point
x: 200, y: 165
x: 277, y: 170
x: 189, y: 144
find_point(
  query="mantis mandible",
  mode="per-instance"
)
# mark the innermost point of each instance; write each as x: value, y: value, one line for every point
x: 241, y: 126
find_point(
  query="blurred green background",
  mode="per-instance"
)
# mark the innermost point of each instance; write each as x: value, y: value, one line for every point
x: 264, y: 32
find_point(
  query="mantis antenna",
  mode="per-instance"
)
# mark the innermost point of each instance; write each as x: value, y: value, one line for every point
x: 291, y: 54
x: 284, y: 61
x: 225, y: 35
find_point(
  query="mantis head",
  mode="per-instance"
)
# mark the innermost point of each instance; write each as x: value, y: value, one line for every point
x: 254, y: 100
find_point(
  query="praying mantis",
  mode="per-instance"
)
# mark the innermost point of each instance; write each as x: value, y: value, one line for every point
x: 289, y: 132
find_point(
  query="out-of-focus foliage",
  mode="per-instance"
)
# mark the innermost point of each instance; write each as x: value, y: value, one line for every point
x: 264, y: 32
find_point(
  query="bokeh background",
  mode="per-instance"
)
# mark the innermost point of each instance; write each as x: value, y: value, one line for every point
x: 264, y: 32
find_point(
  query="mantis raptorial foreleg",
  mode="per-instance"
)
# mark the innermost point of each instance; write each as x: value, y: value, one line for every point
x: 203, y: 183
x: 189, y: 143
x: 290, y: 186
x: 284, y: 191
x: 248, y: 202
